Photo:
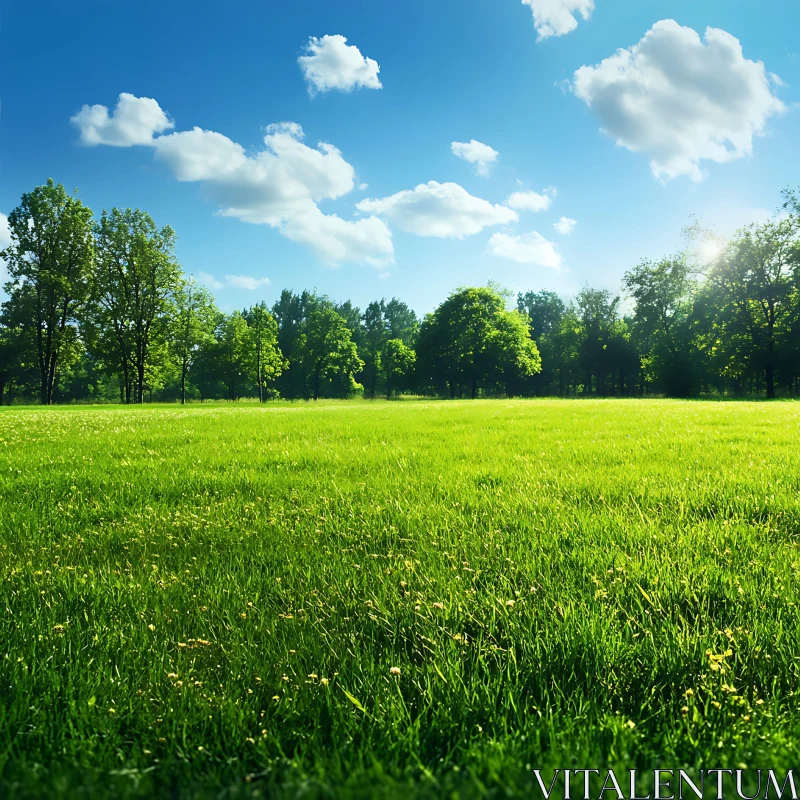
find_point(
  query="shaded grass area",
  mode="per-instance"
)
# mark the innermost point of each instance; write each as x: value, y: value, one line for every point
x: 209, y: 601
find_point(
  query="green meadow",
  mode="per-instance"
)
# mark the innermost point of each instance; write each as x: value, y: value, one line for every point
x: 405, y: 599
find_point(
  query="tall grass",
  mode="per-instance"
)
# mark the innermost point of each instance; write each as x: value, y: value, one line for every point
x: 411, y: 599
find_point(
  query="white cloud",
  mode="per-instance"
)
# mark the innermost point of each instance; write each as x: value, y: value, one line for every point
x: 336, y: 240
x: 236, y: 281
x: 565, y: 225
x: 135, y: 121
x: 199, y: 155
x: 246, y: 282
x: 680, y: 99
x: 331, y: 63
x: 209, y: 280
x: 557, y: 17
x: 5, y: 232
x: 280, y: 186
x: 477, y: 153
x: 531, y: 201
x: 445, y: 210
x: 529, y: 248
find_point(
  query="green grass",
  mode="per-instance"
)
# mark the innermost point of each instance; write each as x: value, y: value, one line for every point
x: 209, y: 601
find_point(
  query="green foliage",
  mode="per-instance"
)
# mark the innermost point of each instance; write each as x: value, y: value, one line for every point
x: 398, y: 362
x: 191, y: 328
x: 472, y: 340
x: 326, y: 349
x: 49, y: 264
x: 267, y: 361
x: 133, y: 290
x: 96, y: 316
x: 192, y: 596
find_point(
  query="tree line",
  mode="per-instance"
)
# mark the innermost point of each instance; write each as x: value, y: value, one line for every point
x: 100, y: 310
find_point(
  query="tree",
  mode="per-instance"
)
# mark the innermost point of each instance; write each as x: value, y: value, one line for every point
x: 326, y: 348
x: 544, y: 311
x: 268, y: 362
x: 49, y: 261
x: 662, y: 292
x: 561, y: 349
x: 374, y: 338
x: 233, y: 353
x: 463, y: 342
x: 192, y: 326
x: 401, y: 322
x: 756, y: 279
x: 597, y: 311
x: 135, y: 283
x: 290, y: 312
x: 398, y: 362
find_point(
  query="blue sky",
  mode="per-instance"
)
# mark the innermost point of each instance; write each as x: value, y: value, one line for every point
x: 692, y: 129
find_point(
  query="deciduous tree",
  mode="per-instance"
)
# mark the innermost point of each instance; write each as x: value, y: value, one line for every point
x: 49, y: 262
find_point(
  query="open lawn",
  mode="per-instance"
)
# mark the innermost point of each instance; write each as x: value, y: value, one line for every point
x: 394, y: 599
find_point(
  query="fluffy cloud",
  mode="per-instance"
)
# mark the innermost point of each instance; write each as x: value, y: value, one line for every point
x: 477, y: 153
x: 209, y: 280
x: 557, y: 17
x: 236, y: 281
x: 529, y: 248
x: 135, y: 121
x: 680, y: 99
x: 565, y: 225
x: 530, y: 201
x: 5, y: 233
x: 279, y: 185
x: 445, y: 210
x: 330, y: 63
x: 199, y: 155
x: 246, y: 282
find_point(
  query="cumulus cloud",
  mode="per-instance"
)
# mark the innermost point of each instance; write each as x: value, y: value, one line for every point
x: 209, y: 280
x: 236, y: 281
x: 135, y: 120
x: 565, y: 225
x: 199, y: 155
x: 246, y: 282
x: 529, y: 248
x: 557, y: 17
x: 279, y: 185
x: 530, y: 201
x: 477, y: 153
x: 5, y: 232
x: 679, y: 99
x: 330, y: 63
x: 445, y: 210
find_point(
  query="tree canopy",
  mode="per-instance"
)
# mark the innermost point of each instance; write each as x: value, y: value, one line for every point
x: 101, y: 311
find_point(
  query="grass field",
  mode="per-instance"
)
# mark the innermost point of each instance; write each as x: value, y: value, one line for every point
x: 394, y: 599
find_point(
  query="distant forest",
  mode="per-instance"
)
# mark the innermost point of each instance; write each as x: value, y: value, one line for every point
x: 99, y: 310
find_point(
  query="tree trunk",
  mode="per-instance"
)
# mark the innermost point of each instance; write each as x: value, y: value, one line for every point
x: 474, y: 388
x: 259, y: 377
x: 316, y: 385
x: 183, y: 384
x: 770, y: 367
x: 770, y: 382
